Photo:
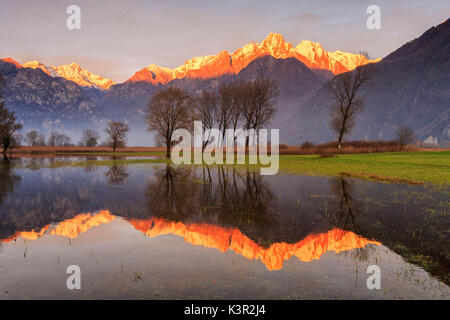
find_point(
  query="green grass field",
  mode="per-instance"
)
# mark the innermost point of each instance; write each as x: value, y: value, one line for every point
x: 408, y: 167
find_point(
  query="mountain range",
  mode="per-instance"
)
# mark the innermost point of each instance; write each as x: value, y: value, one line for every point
x: 409, y: 86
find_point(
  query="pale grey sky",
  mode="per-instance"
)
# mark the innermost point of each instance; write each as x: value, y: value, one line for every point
x: 117, y: 38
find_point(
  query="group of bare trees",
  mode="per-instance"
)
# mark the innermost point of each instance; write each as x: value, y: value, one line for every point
x: 34, y: 138
x: 249, y: 104
x: 117, y: 133
x: 89, y: 138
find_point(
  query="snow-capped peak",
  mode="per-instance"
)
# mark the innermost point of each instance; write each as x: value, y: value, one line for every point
x: 312, y: 54
x: 72, y: 72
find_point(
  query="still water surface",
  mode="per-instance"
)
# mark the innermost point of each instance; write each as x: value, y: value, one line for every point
x: 155, y: 231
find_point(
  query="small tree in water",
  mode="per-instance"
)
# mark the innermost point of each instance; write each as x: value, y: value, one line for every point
x: 117, y: 132
x: 89, y: 138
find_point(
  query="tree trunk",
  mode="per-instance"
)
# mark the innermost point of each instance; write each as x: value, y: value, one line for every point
x: 6, y: 145
x: 168, y: 150
x: 341, y: 135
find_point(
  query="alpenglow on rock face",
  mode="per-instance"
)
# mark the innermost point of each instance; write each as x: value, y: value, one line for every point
x: 72, y: 72
x: 310, y: 53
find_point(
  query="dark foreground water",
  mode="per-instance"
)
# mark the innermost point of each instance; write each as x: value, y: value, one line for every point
x: 154, y: 231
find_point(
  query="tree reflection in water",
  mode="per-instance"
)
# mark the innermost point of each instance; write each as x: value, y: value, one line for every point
x: 90, y: 164
x: 8, y: 180
x: 222, y: 195
x: 117, y: 174
x: 343, y: 214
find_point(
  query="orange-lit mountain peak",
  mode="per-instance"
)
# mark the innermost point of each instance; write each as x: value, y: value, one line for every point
x: 273, y: 41
x: 310, y: 49
x: 82, y: 77
x: 69, y: 228
x: 28, y: 235
x: 72, y: 72
x: 312, y: 54
x: 34, y: 64
x: 277, y: 47
x: 11, y: 60
x: 223, y: 239
x: 81, y: 223
x: 205, y: 67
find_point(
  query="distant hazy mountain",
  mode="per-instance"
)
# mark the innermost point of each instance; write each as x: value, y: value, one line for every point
x: 47, y: 103
x: 410, y: 86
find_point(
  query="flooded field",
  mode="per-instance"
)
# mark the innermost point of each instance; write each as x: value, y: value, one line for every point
x: 157, y: 231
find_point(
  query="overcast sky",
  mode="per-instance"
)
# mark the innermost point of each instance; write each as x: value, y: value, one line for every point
x: 117, y: 38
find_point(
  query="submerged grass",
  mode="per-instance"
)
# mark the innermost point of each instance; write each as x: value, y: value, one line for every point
x: 103, y: 163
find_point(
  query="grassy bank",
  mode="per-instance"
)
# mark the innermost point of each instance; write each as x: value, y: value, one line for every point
x: 403, y: 167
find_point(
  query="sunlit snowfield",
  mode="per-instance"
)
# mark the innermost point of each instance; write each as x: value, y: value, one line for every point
x: 154, y: 231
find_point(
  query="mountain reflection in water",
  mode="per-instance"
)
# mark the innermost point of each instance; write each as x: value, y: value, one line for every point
x: 211, y: 236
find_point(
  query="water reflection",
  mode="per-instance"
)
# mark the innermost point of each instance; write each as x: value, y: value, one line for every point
x: 269, y: 219
x: 172, y: 193
x: 8, y: 179
x: 211, y: 236
x: 343, y: 214
x: 117, y: 174
x: 90, y: 164
x: 224, y: 196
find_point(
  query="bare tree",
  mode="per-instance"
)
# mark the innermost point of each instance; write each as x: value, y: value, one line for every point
x: 40, y: 140
x: 207, y: 108
x: 64, y: 140
x: 347, y: 103
x: 89, y: 138
x: 225, y: 110
x: 258, y: 102
x: 57, y: 139
x: 31, y: 138
x: 237, y: 94
x: 53, y: 138
x: 405, y: 136
x: 169, y: 109
x: 8, y: 124
x: 117, y: 132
